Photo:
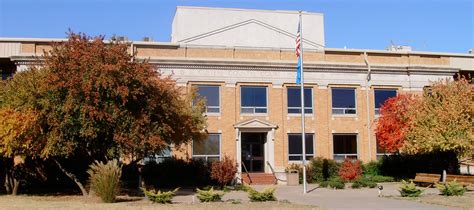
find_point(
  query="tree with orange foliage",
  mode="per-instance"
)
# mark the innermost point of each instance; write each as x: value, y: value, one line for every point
x: 96, y: 100
x: 394, y: 122
x: 441, y: 120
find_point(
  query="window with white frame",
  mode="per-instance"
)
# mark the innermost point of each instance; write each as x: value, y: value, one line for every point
x: 343, y: 101
x: 208, y: 149
x: 382, y: 95
x: 295, y: 147
x: 159, y: 157
x: 253, y: 100
x: 294, y: 100
x: 344, y: 146
x: 211, y: 95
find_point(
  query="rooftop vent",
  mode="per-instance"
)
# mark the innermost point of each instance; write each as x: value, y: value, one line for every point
x: 147, y: 39
x: 399, y: 48
x: 119, y: 38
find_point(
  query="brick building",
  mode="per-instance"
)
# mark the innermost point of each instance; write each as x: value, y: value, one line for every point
x: 243, y: 62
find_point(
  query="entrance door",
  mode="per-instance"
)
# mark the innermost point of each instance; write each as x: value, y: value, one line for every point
x: 253, y: 151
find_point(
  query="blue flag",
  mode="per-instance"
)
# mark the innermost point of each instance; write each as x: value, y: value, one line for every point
x: 298, y: 71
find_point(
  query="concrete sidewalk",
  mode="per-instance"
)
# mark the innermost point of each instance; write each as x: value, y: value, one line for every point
x: 363, y: 199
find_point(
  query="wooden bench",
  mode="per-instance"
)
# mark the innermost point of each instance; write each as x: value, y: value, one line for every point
x: 424, y: 178
x: 462, y: 179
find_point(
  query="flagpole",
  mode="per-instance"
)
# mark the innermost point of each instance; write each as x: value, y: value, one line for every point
x: 303, y: 136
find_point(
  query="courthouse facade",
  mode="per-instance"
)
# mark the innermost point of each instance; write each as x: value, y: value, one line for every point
x: 243, y: 62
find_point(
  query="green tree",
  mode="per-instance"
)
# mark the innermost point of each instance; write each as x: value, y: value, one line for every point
x: 444, y: 120
x: 94, y: 98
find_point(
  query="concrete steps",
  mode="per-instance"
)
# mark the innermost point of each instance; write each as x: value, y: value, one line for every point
x: 258, y: 179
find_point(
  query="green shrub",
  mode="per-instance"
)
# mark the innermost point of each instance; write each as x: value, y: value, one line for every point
x: 209, y: 195
x: 356, y: 185
x: 336, y: 183
x: 172, y: 173
x: 266, y: 195
x: 323, y: 169
x: 324, y: 184
x: 104, y: 179
x: 372, y: 168
x: 364, y: 182
x: 409, y: 189
x: 379, y: 179
x: 451, y: 189
x: 160, y: 197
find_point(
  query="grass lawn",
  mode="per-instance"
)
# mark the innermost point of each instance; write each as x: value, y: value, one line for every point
x: 464, y: 202
x: 79, y: 202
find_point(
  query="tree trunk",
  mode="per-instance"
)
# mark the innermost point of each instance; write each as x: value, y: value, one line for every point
x: 73, y: 178
x: 16, y: 185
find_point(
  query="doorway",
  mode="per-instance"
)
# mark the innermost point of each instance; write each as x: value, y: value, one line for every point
x: 253, y: 154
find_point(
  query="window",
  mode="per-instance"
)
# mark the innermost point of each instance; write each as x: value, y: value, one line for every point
x: 211, y: 95
x: 294, y: 100
x: 343, y: 101
x: 207, y: 149
x: 345, y: 146
x: 253, y: 100
x: 295, y: 148
x: 382, y: 95
x: 6, y: 75
x: 160, y: 157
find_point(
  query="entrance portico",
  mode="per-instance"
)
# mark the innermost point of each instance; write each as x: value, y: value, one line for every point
x: 255, y: 145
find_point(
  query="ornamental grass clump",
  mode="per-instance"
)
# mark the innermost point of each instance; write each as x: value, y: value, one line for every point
x: 159, y: 196
x: 409, y: 189
x: 105, y: 179
x: 451, y: 189
x: 209, y: 195
x: 266, y: 195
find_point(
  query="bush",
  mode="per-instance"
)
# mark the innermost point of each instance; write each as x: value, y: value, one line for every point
x: 433, y: 163
x: 173, y: 173
x: 209, y: 195
x: 356, y: 185
x: 364, y: 182
x: 324, y: 184
x: 322, y: 169
x: 224, y: 171
x: 160, y: 197
x: 372, y: 168
x: 266, y: 195
x: 409, y: 189
x: 379, y: 179
x: 451, y: 189
x: 350, y: 170
x: 105, y: 179
x: 336, y: 183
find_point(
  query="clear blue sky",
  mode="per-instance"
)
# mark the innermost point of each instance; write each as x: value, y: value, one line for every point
x: 427, y: 25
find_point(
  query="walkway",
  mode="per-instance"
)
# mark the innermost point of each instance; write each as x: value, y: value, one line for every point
x: 363, y: 199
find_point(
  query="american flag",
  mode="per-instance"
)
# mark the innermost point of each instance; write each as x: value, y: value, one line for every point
x: 298, y: 53
x: 298, y: 41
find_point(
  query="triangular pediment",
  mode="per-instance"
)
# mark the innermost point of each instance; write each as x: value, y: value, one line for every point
x: 250, y: 33
x: 255, y: 123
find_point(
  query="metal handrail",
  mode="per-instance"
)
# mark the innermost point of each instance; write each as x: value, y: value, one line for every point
x: 273, y: 172
x: 248, y: 175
